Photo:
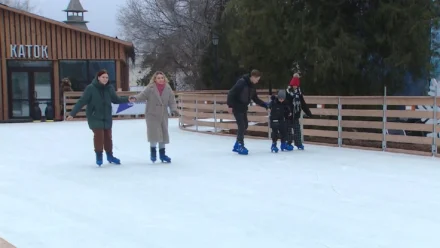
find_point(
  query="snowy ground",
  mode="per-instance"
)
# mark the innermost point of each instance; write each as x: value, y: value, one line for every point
x: 52, y: 194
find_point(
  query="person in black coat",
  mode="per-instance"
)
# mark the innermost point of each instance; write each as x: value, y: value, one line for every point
x: 297, y: 104
x: 279, y: 113
x: 239, y: 98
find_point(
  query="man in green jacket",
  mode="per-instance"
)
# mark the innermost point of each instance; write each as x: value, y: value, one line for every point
x: 99, y: 96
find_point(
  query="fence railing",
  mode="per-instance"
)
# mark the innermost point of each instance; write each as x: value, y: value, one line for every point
x: 396, y: 124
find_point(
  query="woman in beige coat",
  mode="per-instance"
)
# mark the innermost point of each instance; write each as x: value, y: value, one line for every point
x: 159, y: 97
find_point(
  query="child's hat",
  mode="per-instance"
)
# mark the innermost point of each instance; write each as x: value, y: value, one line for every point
x: 295, y: 82
x: 282, y: 94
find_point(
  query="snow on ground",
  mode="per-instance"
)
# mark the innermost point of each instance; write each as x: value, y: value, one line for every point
x: 52, y: 194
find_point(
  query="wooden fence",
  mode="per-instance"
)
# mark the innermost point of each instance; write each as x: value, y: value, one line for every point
x: 70, y: 98
x: 396, y: 124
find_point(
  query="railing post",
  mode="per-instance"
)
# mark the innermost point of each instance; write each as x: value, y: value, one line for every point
x: 302, y: 128
x: 434, y: 131
x: 181, y: 111
x: 64, y: 107
x: 215, y: 113
x: 197, y: 113
x: 339, y: 122
x: 384, y: 120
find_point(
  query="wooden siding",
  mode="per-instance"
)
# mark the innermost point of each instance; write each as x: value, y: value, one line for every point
x: 62, y: 42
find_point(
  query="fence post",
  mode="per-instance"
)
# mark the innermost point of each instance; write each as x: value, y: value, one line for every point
x: 197, y: 113
x: 384, y: 120
x: 181, y: 111
x: 339, y: 122
x: 434, y: 132
x: 302, y: 128
x: 64, y: 107
x: 215, y: 113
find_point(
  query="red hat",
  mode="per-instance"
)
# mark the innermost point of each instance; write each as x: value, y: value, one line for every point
x: 295, y: 82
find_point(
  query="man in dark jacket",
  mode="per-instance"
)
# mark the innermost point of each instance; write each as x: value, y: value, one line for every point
x: 297, y: 104
x: 239, y: 97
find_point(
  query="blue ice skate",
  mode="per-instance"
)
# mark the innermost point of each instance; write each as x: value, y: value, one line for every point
x: 242, y: 150
x: 300, y: 147
x: 164, y: 158
x: 236, y: 145
x: 286, y: 147
x: 153, y: 154
x: 111, y: 159
x: 99, y: 158
x: 274, y: 148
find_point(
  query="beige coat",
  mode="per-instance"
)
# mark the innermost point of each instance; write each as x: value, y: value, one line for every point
x: 156, y: 112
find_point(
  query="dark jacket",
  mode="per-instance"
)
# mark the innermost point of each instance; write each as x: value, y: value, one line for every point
x: 297, y: 103
x: 99, y: 99
x: 279, y: 110
x: 241, y: 94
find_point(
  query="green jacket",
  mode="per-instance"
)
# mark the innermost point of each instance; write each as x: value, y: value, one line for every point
x: 99, y: 99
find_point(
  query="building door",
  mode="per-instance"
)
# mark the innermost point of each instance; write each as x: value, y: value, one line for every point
x: 29, y: 87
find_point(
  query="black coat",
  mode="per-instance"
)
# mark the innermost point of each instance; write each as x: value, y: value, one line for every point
x: 279, y: 110
x: 297, y: 103
x: 241, y: 94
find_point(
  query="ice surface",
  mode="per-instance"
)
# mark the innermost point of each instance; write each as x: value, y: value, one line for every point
x: 53, y: 195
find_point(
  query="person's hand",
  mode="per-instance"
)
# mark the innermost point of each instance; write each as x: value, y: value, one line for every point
x: 132, y: 99
x: 230, y: 110
x: 69, y: 118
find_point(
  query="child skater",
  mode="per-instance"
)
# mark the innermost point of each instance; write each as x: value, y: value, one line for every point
x: 297, y: 104
x: 279, y: 112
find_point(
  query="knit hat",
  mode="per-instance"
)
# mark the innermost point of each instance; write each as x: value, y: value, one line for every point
x: 282, y: 94
x: 295, y: 82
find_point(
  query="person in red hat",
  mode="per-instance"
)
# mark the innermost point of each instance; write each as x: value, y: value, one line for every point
x: 297, y: 104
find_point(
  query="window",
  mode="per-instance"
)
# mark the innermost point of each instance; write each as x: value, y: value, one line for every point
x: 82, y: 72
x: 76, y: 72
x: 108, y: 65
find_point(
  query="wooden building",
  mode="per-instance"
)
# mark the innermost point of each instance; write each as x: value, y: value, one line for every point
x: 37, y: 53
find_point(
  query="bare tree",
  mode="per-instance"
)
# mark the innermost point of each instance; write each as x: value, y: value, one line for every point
x: 20, y: 4
x: 171, y: 34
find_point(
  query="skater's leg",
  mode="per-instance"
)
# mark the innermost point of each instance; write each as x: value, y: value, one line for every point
x: 161, y: 145
x: 98, y: 140
x: 240, y: 118
x: 98, y: 143
x: 297, y: 133
x: 108, y: 147
x: 283, y: 132
x: 289, y: 132
x: 108, y: 141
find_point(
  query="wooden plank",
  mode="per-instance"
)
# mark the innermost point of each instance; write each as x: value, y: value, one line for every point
x: 22, y: 30
x: 112, y: 50
x: 9, y: 32
x: 324, y: 111
x: 361, y: 136
x: 409, y: 114
x: 362, y: 124
x: 88, y: 46
x: 68, y: 43
x: 37, y: 32
x: 5, y: 244
x: 412, y: 152
x: 410, y: 101
x: 16, y: 25
x: 59, y: 41
x: 409, y: 139
x: 361, y: 112
x: 83, y: 45
x: 362, y: 147
x: 409, y: 126
x: 53, y: 45
x: 320, y: 133
x: 118, y: 74
x: 320, y: 122
x: 28, y: 31
x: 321, y: 99
x: 92, y: 48
x: 74, y: 54
x: 56, y: 90
x: 362, y: 100
x: 3, y: 77
x: 107, y: 49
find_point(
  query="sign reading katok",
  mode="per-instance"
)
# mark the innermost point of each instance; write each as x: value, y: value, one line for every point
x: 29, y: 51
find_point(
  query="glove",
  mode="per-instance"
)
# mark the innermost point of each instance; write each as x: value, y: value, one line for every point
x: 175, y: 113
x: 273, y: 98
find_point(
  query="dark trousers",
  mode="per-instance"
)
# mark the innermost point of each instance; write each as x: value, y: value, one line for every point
x: 278, y: 130
x: 242, y: 125
x: 294, y: 132
x: 102, y: 138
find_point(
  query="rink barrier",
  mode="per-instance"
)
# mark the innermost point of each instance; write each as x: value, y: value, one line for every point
x: 382, y: 123
x: 5, y: 244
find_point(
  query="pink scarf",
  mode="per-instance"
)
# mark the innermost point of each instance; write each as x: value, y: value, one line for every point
x: 160, y: 88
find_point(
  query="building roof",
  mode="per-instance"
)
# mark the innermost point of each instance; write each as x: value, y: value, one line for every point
x: 75, y: 6
x: 64, y: 25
